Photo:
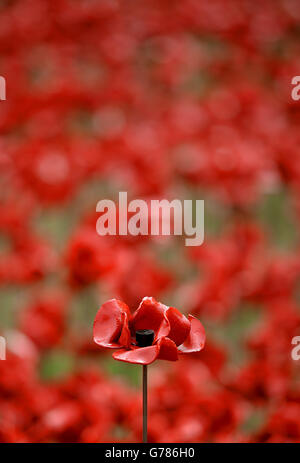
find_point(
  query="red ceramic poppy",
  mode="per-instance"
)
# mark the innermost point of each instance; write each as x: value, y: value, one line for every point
x: 172, y: 333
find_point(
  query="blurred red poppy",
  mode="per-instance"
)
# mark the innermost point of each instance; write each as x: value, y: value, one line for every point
x: 172, y: 333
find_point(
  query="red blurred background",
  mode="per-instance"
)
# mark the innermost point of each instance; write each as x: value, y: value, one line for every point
x: 183, y: 99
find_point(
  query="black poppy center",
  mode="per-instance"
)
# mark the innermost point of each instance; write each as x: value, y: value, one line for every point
x: 144, y: 338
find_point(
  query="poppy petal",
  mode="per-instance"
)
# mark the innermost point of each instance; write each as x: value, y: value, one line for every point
x: 167, y: 349
x: 149, y: 315
x: 140, y: 355
x: 163, y: 330
x: 109, y: 322
x: 196, y: 338
x: 179, y: 326
x: 125, y: 337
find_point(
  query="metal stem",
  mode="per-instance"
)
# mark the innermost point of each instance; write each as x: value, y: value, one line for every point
x: 145, y: 404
